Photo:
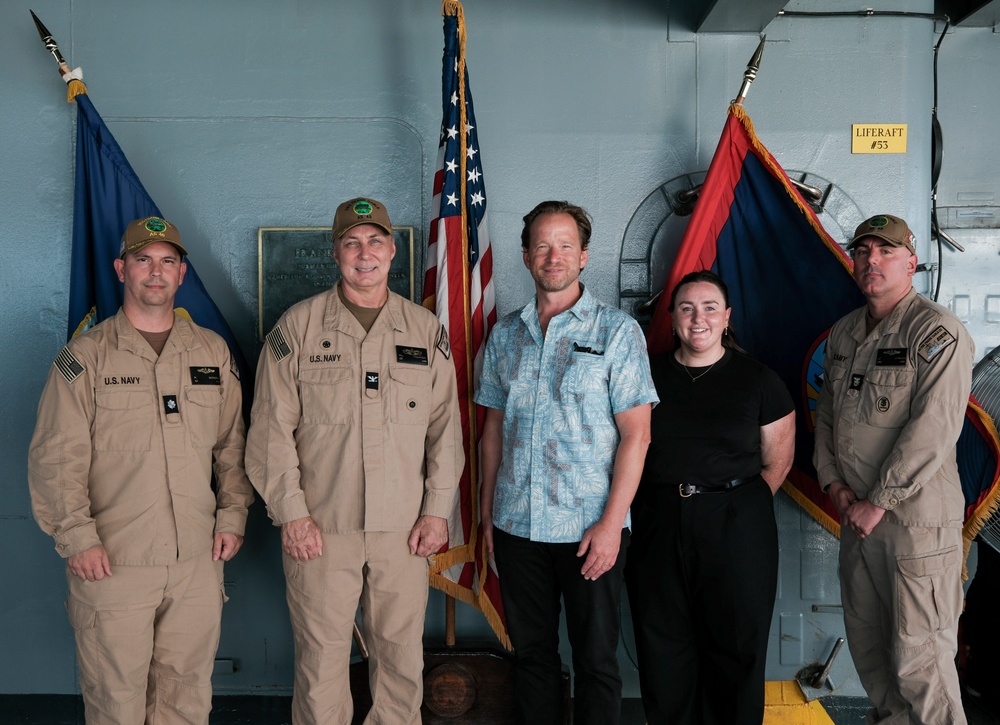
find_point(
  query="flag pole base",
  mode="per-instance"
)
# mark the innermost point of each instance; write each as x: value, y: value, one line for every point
x: 468, y: 685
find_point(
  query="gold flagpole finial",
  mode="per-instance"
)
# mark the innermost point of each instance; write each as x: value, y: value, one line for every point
x: 751, y: 72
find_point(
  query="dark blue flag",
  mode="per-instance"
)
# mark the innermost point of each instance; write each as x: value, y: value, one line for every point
x: 108, y: 196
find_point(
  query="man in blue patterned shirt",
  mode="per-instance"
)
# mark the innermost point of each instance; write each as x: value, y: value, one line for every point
x: 568, y: 394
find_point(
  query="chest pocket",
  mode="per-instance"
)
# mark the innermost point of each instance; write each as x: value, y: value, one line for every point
x: 328, y: 395
x: 409, y: 394
x: 835, y: 377
x: 886, y: 397
x: 124, y: 421
x: 201, y: 414
x: 585, y: 373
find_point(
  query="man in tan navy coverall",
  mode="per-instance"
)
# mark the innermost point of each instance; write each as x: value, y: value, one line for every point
x: 133, y: 413
x: 897, y: 378
x: 355, y: 445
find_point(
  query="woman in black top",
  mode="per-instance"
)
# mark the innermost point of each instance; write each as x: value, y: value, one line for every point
x: 702, y: 568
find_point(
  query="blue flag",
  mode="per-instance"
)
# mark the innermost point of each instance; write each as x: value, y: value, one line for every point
x: 108, y: 196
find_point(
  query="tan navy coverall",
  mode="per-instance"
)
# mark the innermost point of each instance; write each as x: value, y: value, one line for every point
x: 122, y: 456
x: 889, y: 415
x: 361, y: 432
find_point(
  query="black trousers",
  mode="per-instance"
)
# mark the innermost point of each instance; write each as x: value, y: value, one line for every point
x: 533, y: 577
x: 701, y: 577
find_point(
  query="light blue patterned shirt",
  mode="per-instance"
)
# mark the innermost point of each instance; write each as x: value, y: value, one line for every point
x: 559, y: 395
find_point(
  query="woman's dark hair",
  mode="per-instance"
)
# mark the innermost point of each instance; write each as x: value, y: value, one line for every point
x: 728, y: 338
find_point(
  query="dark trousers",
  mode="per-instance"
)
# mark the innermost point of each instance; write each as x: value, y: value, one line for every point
x: 533, y: 577
x: 701, y: 578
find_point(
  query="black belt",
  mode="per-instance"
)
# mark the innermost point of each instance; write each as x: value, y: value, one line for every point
x: 687, y: 490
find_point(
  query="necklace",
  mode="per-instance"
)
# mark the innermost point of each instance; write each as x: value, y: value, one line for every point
x: 695, y: 378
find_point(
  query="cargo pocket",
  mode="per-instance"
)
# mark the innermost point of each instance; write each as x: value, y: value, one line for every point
x: 922, y: 600
x: 81, y: 616
x: 83, y: 619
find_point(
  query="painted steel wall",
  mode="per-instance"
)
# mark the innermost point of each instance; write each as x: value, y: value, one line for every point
x: 244, y: 114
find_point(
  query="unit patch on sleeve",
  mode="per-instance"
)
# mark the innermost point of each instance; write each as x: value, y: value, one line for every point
x: 69, y: 367
x: 935, y: 343
x: 443, y: 345
x: 234, y: 368
x: 411, y: 355
x: 206, y: 376
x: 279, y: 348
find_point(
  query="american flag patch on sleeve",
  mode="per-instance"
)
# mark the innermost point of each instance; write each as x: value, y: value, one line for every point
x: 69, y: 367
x: 279, y: 348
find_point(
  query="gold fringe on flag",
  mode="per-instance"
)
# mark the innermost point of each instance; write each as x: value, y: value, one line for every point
x: 778, y: 173
x: 988, y: 507
x: 74, y: 89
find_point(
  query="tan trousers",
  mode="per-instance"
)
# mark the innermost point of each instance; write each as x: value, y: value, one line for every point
x: 377, y: 570
x: 145, y: 642
x: 902, y: 593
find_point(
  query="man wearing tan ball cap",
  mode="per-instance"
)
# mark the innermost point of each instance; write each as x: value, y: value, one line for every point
x: 355, y: 446
x: 135, y: 416
x: 897, y: 375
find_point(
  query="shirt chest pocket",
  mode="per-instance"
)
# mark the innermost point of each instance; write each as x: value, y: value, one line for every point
x: 327, y: 395
x: 585, y: 373
x: 124, y: 420
x: 834, y: 378
x: 409, y: 395
x: 201, y: 414
x: 886, y: 401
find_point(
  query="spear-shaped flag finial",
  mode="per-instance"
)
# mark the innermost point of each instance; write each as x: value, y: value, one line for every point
x: 50, y: 44
x: 751, y: 72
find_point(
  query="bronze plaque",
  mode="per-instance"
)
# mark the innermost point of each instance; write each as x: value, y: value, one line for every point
x: 297, y: 262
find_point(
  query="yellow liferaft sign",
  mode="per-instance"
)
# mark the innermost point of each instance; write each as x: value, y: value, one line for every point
x: 878, y: 138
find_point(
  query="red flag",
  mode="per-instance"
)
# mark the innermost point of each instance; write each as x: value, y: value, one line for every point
x: 789, y: 281
x: 458, y: 286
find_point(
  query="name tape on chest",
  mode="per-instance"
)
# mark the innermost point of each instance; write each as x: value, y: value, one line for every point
x: 934, y: 343
x: 411, y: 355
x: 204, y: 375
x: 891, y: 357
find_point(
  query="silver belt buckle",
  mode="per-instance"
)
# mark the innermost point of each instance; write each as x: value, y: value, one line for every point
x: 686, y: 490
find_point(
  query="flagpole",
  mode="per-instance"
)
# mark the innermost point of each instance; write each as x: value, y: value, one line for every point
x: 73, y: 78
x: 750, y: 74
x: 454, y: 8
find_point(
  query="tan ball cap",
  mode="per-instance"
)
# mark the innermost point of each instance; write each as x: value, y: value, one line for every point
x: 360, y: 211
x: 888, y: 228
x: 147, y: 231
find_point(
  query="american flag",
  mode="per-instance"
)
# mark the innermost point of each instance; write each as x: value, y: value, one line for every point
x: 458, y: 286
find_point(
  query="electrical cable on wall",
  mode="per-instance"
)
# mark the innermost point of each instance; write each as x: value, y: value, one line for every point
x: 937, y: 140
